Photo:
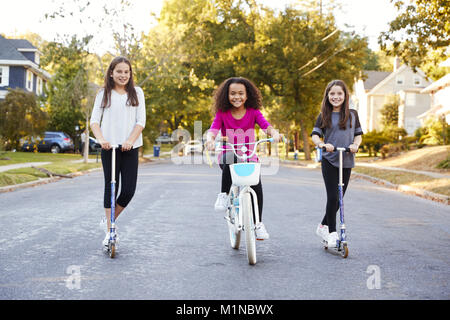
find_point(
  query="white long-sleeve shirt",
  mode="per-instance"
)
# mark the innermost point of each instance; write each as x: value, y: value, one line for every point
x: 119, y: 119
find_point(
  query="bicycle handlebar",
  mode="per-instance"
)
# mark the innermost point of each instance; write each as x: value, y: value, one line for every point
x: 244, y: 149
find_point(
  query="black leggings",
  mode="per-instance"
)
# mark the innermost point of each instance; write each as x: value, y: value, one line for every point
x: 226, y: 185
x: 330, y: 175
x: 127, y: 166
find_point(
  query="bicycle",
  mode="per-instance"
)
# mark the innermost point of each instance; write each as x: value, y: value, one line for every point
x: 239, y: 214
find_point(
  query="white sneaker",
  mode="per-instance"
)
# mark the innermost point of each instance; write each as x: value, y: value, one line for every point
x: 261, y: 232
x: 107, y: 236
x: 322, y: 231
x: 221, y: 202
x: 106, y: 240
x: 332, y: 239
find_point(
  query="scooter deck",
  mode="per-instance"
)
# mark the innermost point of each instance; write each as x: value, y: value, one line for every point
x: 341, y: 250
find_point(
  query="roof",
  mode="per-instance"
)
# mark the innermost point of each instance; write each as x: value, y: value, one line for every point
x: 21, y: 44
x: 392, y: 75
x: 438, y: 84
x: 373, y: 78
x: 9, y: 52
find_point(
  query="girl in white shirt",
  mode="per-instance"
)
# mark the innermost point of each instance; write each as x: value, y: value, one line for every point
x: 118, y: 118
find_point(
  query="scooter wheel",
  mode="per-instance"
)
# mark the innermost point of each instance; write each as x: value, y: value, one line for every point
x: 112, y: 250
x: 344, y: 252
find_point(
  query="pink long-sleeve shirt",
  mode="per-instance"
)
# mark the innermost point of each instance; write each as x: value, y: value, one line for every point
x: 239, y: 130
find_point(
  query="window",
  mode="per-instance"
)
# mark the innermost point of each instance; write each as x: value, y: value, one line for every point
x: 400, y: 80
x: 4, y: 76
x: 39, y: 86
x: 417, y: 81
x: 29, y: 81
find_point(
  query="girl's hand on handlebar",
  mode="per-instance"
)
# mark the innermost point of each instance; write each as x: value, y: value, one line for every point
x: 105, y: 144
x: 210, y: 145
x: 126, y: 146
x: 276, y: 136
x: 329, y: 147
x: 353, y: 148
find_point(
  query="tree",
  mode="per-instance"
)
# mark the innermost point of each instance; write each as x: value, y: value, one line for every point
x: 68, y: 88
x: 420, y: 27
x: 389, y: 111
x: 296, y: 54
x: 21, y: 117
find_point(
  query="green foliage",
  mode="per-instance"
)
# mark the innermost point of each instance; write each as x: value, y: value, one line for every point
x: 389, y: 112
x: 444, y: 164
x: 68, y: 88
x: 373, y: 141
x: 21, y: 117
x: 434, y: 131
x: 421, y: 26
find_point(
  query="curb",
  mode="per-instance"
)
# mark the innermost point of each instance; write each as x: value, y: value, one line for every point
x: 398, y: 187
x: 406, y: 189
x: 41, y: 181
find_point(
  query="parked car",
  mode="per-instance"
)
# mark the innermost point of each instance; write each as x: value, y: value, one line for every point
x: 54, y: 142
x: 94, y: 146
x: 164, y: 138
x: 193, y: 146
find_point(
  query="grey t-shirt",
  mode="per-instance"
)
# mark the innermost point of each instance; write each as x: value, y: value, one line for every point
x: 338, y: 137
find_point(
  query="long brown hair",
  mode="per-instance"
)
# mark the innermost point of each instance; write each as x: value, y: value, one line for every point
x: 222, y: 102
x: 327, y: 108
x: 109, y: 84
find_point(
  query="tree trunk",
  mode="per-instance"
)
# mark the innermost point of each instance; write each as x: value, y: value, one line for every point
x: 296, y: 147
x: 305, y: 138
x: 86, y: 140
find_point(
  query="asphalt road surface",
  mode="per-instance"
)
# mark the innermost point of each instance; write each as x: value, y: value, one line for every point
x: 174, y: 246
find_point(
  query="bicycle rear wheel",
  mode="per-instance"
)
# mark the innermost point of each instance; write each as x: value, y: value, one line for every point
x: 249, y: 226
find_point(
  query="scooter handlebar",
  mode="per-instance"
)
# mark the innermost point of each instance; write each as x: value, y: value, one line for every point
x: 337, y: 149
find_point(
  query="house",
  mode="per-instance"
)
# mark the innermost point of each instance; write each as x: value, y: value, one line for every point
x: 439, y: 92
x: 20, y: 67
x: 371, y: 94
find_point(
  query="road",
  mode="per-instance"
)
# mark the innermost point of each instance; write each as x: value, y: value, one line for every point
x: 174, y: 246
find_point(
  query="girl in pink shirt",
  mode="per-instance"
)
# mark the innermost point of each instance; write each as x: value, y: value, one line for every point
x: 237, y: 107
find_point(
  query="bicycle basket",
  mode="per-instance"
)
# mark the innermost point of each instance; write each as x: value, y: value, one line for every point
x: 245, y: 174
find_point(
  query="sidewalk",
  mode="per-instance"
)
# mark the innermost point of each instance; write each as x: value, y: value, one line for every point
x: 402, y: 188
x: 427, y: 173
x: 21, y: 165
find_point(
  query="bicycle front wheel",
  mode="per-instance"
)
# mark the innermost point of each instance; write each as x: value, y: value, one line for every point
x: 249, y: 226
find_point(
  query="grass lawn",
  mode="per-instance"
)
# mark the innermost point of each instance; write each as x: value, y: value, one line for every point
x: 21, y: 157
x: 61, y: 164
x: 419, y: 181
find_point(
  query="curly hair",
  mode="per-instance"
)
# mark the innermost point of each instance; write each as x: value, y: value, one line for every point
x: 222, y: 102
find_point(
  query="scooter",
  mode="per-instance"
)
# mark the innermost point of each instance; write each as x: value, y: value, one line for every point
x: 112, y: 230
x: 341, y: 244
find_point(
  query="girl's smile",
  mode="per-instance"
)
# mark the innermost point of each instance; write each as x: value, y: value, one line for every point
x: 237, y: 95
x: 121, y: 74
x: 336, y: 96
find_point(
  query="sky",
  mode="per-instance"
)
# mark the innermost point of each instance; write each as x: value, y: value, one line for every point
x: 366, y: 17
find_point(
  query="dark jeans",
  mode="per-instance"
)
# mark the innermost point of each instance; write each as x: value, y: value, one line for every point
x: 331, y: 178
x: 126, y: 169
